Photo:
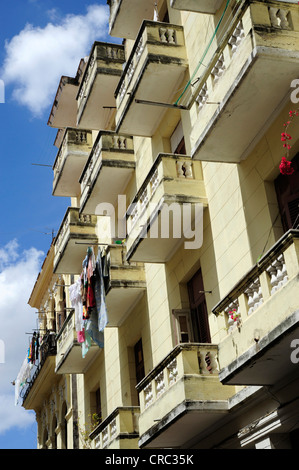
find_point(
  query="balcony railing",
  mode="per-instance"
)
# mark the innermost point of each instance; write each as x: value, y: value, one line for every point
x: 70, y: 160
x: 262, y: 302
x: 126, y: 17
x: 125, y: 283
x: 233, y: 95
x: 47, y: 348
x: 200, y: 6
x: 118, y: 431
x: 173, y: 183
x: 107, y: 172
x: 96, y: 91
x: 70, y: 250
x: 69, y: 359
x: 153, y: 72
x: 189, y: 374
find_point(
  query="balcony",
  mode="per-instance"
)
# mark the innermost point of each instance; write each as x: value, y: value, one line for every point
x: 158, y: 220
x: 124, y: 284
x: 243, y: 86
x: 70, y: 244
x: 181, y: 397
x: 107, y: 172
x: 257, y: 347
x: 200, y: 6
x: 153, y: 72
x: 126, y: 17
x: 69, y: 359
x: 118, y: 431
x: 42, y: 375
x: 64, y: 110
x: 96, y: 91
x: 70, y: 160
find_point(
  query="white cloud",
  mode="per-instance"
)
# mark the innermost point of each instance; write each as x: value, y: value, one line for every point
x: 18, y: 272
x: 37, y: 57
x: 12, y: 416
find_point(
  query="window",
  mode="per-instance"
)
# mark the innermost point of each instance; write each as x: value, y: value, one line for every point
x: 177, y: 141
x: 182, y: 326
x: 139, y: 362
x: 96, y: 406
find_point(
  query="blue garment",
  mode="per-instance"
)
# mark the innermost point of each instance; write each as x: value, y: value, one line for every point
x: 91, y: 328
x: 86, y: 345
x: 99, y: 291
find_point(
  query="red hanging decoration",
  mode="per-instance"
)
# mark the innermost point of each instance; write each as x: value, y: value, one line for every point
x: 285, y: 167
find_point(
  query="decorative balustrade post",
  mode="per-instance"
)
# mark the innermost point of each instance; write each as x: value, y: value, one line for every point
x: 160, y: 384
x: 202, y: 96
x: 148, y: 395
x: 233, y: 315
x: 218, y: 69
x: 279, y: 18
x: 205, y: 363
x: 172, y: 369
x: 236, y: 38
x: 278, y: 273
x: 167, y: 35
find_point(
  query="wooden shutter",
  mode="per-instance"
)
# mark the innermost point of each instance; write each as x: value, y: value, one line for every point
x: 198, y: 307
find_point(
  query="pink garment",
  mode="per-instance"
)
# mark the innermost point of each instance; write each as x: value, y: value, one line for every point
x: 81, y: 336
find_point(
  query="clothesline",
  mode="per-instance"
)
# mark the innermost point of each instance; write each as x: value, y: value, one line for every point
x: 100, y: 244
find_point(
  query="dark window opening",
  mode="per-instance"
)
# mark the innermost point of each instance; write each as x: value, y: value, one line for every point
x: 139, y: 362
x: 287, y: 191
x: 181, y: 148
x: 98, y: 405
x: 198, y: 307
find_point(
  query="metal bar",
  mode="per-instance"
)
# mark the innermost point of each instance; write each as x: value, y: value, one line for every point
x: 166, y: 105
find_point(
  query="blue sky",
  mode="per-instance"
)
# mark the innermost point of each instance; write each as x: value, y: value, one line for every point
x: 41, y: 40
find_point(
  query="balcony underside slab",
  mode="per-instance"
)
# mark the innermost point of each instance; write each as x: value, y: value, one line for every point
x: 200, y: 6
x: 158, y: 82
x: 164, y: 233
x: 68, y: 180
x: 251, y: 104
x: 99, y: 102
x: 121, y: 300
x: 267, y: 362
x: 72, y: 361
x: 187, y: 420
x: 69, y: 260
x: 129, y: 16
x: 111, y: 181
x: 64, y: 111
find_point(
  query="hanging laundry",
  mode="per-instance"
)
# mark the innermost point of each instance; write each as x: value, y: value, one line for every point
x: 87, y: 297
x: 156, y: 13
x: 86, y: 344
x: 33, y: 349
x: 81, y: 336
x: 22, y: 377
x: 100, y: 294
x: 76, y: 303
x: 92, y: 329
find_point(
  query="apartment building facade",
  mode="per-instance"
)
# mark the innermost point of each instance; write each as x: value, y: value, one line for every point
x: 169, y: 146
